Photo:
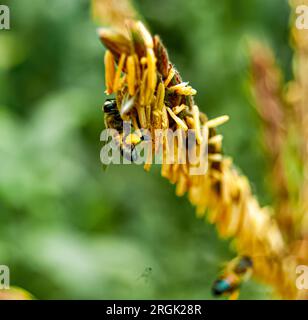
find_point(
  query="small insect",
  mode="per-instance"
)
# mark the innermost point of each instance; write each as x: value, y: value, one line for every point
x: 146, y: 274
x: 126, y: 143
x: 236, y: 272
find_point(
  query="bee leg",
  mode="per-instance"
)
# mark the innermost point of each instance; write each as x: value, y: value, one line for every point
x: 134, y: 155
x: 129, y: 153
x: 234, y: 295
x: 125, y: 154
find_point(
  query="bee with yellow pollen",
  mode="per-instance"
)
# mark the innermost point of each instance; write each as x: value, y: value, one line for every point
x: 150, y: 93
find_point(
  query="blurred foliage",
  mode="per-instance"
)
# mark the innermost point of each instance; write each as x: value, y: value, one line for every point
x: 67, y: 228
x: 15, y: 293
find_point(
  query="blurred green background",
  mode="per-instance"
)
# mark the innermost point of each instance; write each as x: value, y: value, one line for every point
x: 69, y: 229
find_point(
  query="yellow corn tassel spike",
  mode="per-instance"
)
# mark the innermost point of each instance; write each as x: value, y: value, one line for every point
x: 179, y: 109
x: 216, y: 139
x: 152, y: 78
x: 137, y: 69
x: 131, y: 75
x: 165, y: 170
x: 169, y: 78
x: 109, y: 72
x: 183, y: 89
x: 148, y: 111
x: 143, y: 88
x: 160, y: 97
x: 157, y: 119
x: 181, y: 186
x: 148, y: 164
x: 196, y: 116
x: 178, y: 121
x: 190, y: 122
x: 217, y: 157
x: 117, y: 79
x: 158, y: 106
x: 134, y: 122
x: 164, y: 117
x: 143, y: 61
x: 142, y: 116
x: 217, y: 121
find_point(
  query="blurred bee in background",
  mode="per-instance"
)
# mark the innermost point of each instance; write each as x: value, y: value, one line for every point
x: 236, y: 272
x: 126, y: 143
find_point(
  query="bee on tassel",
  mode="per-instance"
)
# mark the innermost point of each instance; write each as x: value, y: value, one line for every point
x: 127, y: 143
x: 236, y: 272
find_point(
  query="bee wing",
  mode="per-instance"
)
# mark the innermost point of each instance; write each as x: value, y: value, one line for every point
x: 127, y: 106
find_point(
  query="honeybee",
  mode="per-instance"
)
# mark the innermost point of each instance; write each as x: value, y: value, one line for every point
x: 126, y: 143
x: 236, y: 271
x: 112, y: 115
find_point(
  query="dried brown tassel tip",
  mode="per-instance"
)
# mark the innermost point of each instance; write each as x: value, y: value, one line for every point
x: 116, y: 42
x: 162, y: 57
x: 141, y: 38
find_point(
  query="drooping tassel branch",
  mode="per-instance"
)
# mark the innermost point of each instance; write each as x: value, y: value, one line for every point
x: 267, y: 86
x: 138, y: 68
x: 283, y: 108
x: 297, y: 97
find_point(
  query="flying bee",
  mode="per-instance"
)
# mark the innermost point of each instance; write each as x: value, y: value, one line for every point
x: 236, y: 272
x: 126, y: 143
